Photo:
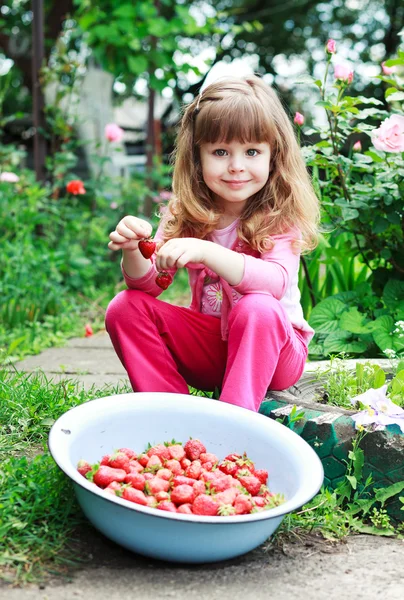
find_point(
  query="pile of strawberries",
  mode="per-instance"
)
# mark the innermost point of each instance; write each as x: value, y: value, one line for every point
x: 184, y: 479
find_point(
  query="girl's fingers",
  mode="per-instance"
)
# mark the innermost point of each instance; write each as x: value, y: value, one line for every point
x: 114, y: 236
x: 123, y: 230
x: 185, y: 258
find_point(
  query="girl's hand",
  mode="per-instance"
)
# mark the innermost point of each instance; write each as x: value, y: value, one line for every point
x: 180, y: 251
x: 128, y: 232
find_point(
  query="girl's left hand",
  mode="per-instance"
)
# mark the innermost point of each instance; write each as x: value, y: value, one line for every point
x: 180, y: 251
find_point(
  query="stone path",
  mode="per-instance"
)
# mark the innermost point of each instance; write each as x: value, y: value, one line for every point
x: 364, y: 567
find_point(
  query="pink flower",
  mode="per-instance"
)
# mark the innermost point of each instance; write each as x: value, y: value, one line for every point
x: 214, y: 295
x: 165, y: 195
x: 357, y: 147
x: 9, y: 177
x: 113, y: 205
x: 343, y: 73
x: 390, y: 135
x: 88, y: 330
x: 113, y: 132
x: 331, y: 47
x: 378, y: 410
x: 388, y: 70
x: 299, y: 119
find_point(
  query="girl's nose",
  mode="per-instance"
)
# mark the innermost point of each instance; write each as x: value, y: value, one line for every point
x: 236, y: 165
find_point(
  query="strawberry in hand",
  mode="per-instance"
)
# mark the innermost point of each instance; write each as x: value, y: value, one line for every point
x: 164, y: 279
x: 147, y: 247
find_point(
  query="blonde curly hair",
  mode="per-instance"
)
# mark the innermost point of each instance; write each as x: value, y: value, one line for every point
x: 248, y: 111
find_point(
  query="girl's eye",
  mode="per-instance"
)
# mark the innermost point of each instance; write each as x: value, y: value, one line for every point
x: 252, y: 150
x: 219, y: 152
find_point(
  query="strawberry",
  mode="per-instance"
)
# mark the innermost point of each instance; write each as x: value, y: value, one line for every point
x: 258, y: 501
x: 153, y: 461
x: 207, y: 466
x: 104, y: 475
x: 193, y: 449
x: 119, y: 460
x: 157, y: 484
x: 252, y: 484
x: 136, y: 480
x: 160, y: 496
x: 183, y: 494
x: 167, y: 505
x: 161, y: 451
x: 174, y: 466
x: 233, y: 457
x: 229, y: 467
x: 164, y: 279
x: 114, y: 485
x: 204, y: 505
x: 262, y: 475
x: 105, y: 460
x: 185, y: 462
x: 147, y: 247
x: 208, y: 457
x: 129, y: 453
x: 143, y: 459
x: 181, y: 480
x: 135, y: 467
x: 199, y: 487
x: 185, y: 509
x: 151, y: 501
x: 176, y: 451
x: 148, y: 476
x: 164, y: 474
x: 227, y: 496
x: 242, y: 504
x: 83, y: 467
x: 133, y: 495
x: 194, y: 470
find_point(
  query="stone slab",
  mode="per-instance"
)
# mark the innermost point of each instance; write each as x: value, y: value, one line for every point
x: 74, y: 360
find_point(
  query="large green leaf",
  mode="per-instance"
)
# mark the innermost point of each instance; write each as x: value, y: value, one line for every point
x: 343, y: 341
x: 384, y: 336
x: 355, y: 321
x: 393, y: 294
x: 325, y: 316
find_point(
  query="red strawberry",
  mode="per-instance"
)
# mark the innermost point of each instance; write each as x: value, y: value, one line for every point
x: 163, y: 280
x: 176, y: 451
x: 157, y: 484
x: 233, y: 457
x: 147, y: 247
x: 262, y: 475
x: 161, y: 451
x: 207, y: 466
x: 149, y: 476
x: 119, y: 460
x: 83, y: 467
x: 194, y: 470
x: 160, y: 496
x: 258, y: 501
x: 143, y: 459
x: 229, y: 467
x: 199, y: 487
x: 105, y: 475
x: 151, y: 501
x: 226, y: 510
x: 204, y: 505
x: 185, y: 462
x: 154, y: 460
x: 114, y: 485
x: 135, y: 467
x: 252, y: 484
x: 174, y: 466
x: 181, y: 480
x: 194, y: 448
x: 208, y: 457
x: 185, y: 509
x: 164, y: 474
x: 133, y: 495
x: 183, y: 494
x: 136, y: 480
x: 129, y: 453
x: 105, y: 460
x: 242, y: 504
x: 227, y: 496
x: 167, y: 505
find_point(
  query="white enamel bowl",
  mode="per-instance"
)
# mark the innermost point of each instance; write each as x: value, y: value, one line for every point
x: 132, y: 420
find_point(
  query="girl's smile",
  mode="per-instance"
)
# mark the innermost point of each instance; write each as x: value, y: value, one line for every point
x: 235, y: 171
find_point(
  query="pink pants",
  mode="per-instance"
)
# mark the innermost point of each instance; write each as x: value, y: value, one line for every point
x: 165, y: 347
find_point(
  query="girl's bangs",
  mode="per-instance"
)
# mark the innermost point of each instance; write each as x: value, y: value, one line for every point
x: 233, y: 119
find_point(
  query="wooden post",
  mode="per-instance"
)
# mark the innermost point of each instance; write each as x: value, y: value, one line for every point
x: 37, y: 96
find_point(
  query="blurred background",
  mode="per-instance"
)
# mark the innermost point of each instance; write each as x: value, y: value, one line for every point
x: 71, y: 69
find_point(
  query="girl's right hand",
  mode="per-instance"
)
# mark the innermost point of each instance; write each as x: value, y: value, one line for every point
x: 128, y: 232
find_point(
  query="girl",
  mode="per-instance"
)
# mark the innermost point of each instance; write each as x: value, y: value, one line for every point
x: 242, y: 211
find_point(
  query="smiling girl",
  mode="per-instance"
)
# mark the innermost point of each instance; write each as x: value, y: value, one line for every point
x: 242, y: 212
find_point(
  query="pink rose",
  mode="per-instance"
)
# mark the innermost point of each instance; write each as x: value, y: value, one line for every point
x: 299, y: 119
x: 113, y: 205
x: 9, y: 177
x: 343, y: 73
x: 331, y: 47
x: 388, y: 70
x: 113, y: 132
x: 357, y: 147
x: 164, y: 195
x: 390, y: 135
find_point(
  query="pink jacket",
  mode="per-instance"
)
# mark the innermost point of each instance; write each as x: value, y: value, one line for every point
x: 274, y: 273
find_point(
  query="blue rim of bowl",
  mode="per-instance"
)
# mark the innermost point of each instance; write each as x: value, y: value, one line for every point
x: 278, y: 511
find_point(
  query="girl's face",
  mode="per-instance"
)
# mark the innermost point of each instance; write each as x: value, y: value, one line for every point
x: 234, y: 172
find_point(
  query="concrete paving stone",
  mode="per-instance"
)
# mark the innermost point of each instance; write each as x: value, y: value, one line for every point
x: 74, y: 360
x: 99, y: 340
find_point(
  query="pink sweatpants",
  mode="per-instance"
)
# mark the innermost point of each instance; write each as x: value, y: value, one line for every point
x: 165, y: 347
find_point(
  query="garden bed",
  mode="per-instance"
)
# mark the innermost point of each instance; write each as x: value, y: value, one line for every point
x: 330, y: 431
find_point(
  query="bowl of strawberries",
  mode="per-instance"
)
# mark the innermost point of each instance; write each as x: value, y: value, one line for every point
x: 183, y: 478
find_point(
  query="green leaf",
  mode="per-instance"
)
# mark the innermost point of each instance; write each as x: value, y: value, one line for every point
x: 395, y: 97
x: 325, y: 315
x: 137, y: 64
x: 344, y: 341
x: 393, y: 294
x: 349, y: 213
x: 354, y: 321
x: 352, y: 480
x: 383, y: 494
